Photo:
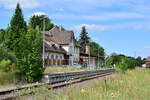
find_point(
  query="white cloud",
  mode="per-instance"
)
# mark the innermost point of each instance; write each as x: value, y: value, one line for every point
x: 78, y: 5
x: 143, y: 27
x: 102, y: 16
x: 116, y: 15
x: 126, y: 25
x: 147, y: 47
x: 39, y: 13
x: 92, y: 5
x: 92, y: 27
x: 23, y: 3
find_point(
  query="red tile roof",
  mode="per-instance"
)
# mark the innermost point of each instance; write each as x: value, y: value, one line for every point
x: 60, y: 36
x: 148, y: 59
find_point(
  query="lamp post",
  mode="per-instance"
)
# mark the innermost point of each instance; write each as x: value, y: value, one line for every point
x: 89, y: 59
x: 98, y: 56
x: 44, y: 40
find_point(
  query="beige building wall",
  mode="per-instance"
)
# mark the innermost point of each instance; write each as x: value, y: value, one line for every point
x: 54, y: 58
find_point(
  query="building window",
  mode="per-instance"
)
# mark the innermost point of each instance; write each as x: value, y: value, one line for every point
x: 52, y: 56
x: 47, y: 57
x: 61, y: 57
x: 56, y: 57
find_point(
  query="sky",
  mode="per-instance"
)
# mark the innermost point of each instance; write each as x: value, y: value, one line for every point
x: 120, y: 26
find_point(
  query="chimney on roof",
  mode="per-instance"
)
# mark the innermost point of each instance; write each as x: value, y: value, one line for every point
x: 60, y: 28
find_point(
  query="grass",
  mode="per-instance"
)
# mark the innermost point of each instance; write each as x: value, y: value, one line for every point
x: 50, y: 70
x: 7, y: 79
x: 133, y: 85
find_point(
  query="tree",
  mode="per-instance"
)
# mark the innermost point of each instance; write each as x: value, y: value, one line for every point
x: 109, y: 61
x: 96, y: 49
x: 114, y: 59
x: 131, y: 62
x: 37, y: 21
x: 31, y: 63
x: 121, y: 61
x: 26, y: 45
x: 139, y: 61
x: 84, y: 39
x: 122, y: 65
x: 126, y: 63
x: 2, y: 36
x: 16, y: 31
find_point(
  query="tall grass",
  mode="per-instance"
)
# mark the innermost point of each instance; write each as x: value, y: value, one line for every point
x: 133, y: 85
x: 7, y: 79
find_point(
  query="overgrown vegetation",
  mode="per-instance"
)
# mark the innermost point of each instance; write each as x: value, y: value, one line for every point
x: 20, y: 48
x: 43, y: 93
x: 40, y: 22
x: 123, y: 62
x: 8, y: 68
x: 129, y: 86
x: 6, y: 54
x: 125, y: 86
x: 8, y: 79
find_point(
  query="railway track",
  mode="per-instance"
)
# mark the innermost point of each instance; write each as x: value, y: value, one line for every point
x: 56, y: 81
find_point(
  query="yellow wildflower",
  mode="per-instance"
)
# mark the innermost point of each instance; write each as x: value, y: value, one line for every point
x: 82, y: 90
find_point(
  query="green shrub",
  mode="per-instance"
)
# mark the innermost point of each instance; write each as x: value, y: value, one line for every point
x: 5, y: 54
x: 121, y: 60
x: 5, y: 65
x: 126, y: 63
x: 8, y: 78
x: 123, y: 66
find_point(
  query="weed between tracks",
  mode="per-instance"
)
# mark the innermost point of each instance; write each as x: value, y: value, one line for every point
x: 43, y: 93
x: 133, y: 85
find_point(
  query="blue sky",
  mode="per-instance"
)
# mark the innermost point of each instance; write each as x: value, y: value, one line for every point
x: 121, y: 26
